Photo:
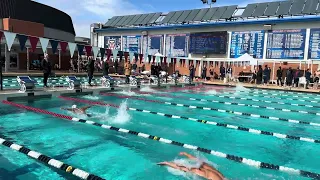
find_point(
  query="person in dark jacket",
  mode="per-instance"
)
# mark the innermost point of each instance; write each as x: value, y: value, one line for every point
x: 297, y: 75
x: 46, y: 66
x: 222, y: 72
x: 105, y: 67
x: 259, y: 75
x: 308, y: 77
x: 279, y: 76
x: 134, y: 67
x: 115, y: 65
x: 204, y: 73
x: 90, y: 69
x: 265, y: 75
x: 289, y: 76
x: 192, y: 71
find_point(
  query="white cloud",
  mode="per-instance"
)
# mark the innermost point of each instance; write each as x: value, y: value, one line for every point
x: 84, y: 13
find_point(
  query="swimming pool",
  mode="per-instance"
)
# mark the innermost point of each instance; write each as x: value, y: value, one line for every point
x: 229, y: 125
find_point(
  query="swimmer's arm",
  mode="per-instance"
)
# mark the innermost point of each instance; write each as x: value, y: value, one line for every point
x: 67, y: 109
x: 187, y: 155
x: 85, y: 108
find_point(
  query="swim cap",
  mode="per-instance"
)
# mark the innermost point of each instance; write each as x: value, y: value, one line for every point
x: 74, y: 106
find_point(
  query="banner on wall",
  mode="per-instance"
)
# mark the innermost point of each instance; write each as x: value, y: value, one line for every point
x: 250, y: 42
x: 112, y: 42
x: 176, y: 45
x: 314, y: 44
x: 152, y: 44
x: 208, y: 43
x: 286, y: 44
x: 131, y: 43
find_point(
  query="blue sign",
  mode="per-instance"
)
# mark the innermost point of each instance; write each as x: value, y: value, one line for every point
x: 250, y: 42
x: 112, y: 42
x: 211, y: 43
x: 176, y: 45
x: 152, y: 44
x: 131, y: 44
x: 286, y: 44
x: 314, y: 44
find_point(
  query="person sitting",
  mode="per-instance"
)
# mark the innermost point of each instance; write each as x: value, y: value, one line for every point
x: 204, y: 170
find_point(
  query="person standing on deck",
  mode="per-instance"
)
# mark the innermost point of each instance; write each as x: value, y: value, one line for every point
x: 265, y: 75
x: 297, y: 75
x: 289, y: 77
x: 46, y: 66
x: 90, y: 69
x: 222, y: 72
x: 105, y: 67
x: 308, y: 77
x: 279, y: 76
x: 115, y: 65
x: 204, y: 73
x: 259, y: 75
x: 127, y: 71
x: 192, y: 70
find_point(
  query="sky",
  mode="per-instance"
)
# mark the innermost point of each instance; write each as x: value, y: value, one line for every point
x: 86, y: 12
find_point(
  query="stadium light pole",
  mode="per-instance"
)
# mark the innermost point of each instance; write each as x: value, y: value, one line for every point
x: 209, y: 2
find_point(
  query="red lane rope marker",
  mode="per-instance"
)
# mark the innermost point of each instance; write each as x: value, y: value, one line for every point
x: 131, y: 97
x: 88, y: 102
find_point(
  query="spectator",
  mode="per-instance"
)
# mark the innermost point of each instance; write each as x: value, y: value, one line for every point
x: 134, y: 67
x: 222, y: 72
x: 211, y: 70
x: 297, y: 75
x: 204, y: 73
x: 259, y: 75
x: 308, y: 77
x: 192, y: 72
x: 127, y: 71
x: 269, y: 75
x: 90, y: 69
x: 279, y: 76
x: 289, y: 77
x: 46, y: 66
x: 229, y: 72
x: 115, y: 65
x: 105, y: 67
x: 265, y: 75
x: 143, y: 68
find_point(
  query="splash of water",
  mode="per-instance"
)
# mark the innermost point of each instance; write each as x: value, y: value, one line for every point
x: 239, y: 88
x: 128, y: 93
x: 91, y: 97
x: 147, y: 89
x: 211, y: 92
x: 122, y: 116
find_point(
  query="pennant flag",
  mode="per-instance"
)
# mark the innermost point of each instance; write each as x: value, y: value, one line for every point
x: 120, y: 55
x: 54, y: 46
x: 33, y: 41
x: 22, y: 40
x: 9, y: 38
x: 72, y: 48
x: 178, y: 61
x: 44, y: 44
x: 194, y: 63
x: 95, y: 52
x: 131, y: 55
x: 169, y: 60
x: 149, y: 58
x: 187, y: 62
x: 89, y: 50
x: 102, y: 52
x: 80, y: 49
x: 115, y: 54
x: 63, y: 46
x: 157, y: 59
x: 161, y: 59
x: 136, y: 56
x: 108, y: 54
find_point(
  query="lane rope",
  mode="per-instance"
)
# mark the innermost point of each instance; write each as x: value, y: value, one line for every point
x: 234, y: 158
x: 217, y: 110
x: 202, y: 121
x: 233, y: 103
x: 288, y: 92
x: 50, y: 161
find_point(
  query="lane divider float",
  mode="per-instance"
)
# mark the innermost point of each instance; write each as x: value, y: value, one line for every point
x: 234, y: 158
x: 202, y: 121
x: 50, y: 161
x: 288, y: 92
x: 233, y: 103
x: 217, y: 110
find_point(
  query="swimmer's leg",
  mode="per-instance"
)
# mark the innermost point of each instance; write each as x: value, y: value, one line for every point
x: 174, y: 166
x: 208, y: 167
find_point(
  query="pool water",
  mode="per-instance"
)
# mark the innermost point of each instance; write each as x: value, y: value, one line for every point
x: 116, y: 155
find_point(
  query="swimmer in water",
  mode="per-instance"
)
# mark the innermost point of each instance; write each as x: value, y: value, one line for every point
x: 205, y: 170
x: 76, y: 110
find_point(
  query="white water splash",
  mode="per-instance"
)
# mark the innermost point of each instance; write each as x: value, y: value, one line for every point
x: 211, y: 92
x: 122, y: 116
x: 147, y: 89
x: 128, y: 93
x: 239, y: 88
x: 91, y: 97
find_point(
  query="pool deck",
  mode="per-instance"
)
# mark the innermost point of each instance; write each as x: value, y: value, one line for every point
x: 269, y: 87
x: 95, y: 90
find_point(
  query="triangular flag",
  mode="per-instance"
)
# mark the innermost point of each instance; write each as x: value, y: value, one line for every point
x: 80, y: 49
x: 63, y: 46
x: 126, y: 54
x: 9, y: 38
x: 194, y: 63
x: 33, y: 41
x: 157, y: 59
x: 22, y: 40
x: 102, y: 52
x: 141, y: 58
x: 72, y: 48
x: 131, y: 55
x: 54, y: 46
x: 95, y: 52
x: 178, y: 62
x: 115, y: 54
x: 44, y: 44
x: 136, y: 56
x: 89, y: 50
x: 187, y: 62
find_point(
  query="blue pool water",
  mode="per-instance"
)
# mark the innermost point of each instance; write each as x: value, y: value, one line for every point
x: 115, y: 155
